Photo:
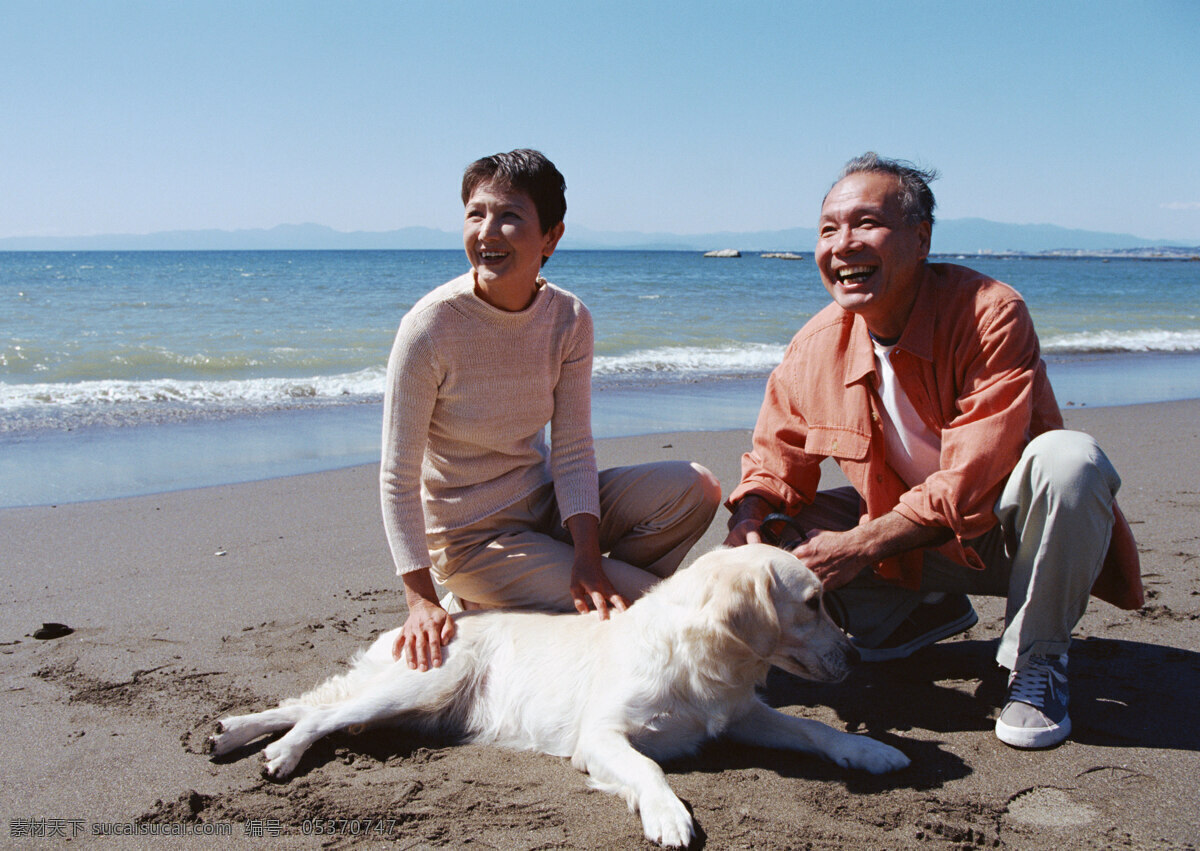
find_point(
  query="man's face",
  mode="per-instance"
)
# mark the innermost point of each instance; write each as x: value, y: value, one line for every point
x: 870, y: 258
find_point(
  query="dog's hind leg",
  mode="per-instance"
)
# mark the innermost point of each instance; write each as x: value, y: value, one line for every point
x: 615, y: 766
x: 282, y: 755
x: 238, y: 730
x: 397, y: 691
x: 769, y: 728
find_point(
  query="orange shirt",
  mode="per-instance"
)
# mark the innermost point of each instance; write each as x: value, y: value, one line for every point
x: 970, y: 362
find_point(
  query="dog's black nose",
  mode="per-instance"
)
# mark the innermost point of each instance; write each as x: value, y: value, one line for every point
x: 853, y: 656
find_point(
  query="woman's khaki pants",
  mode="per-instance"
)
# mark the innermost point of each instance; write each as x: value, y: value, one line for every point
x: 521, y: 556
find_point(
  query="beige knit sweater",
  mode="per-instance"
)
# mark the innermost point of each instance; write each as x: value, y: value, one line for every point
x: 470, y: 389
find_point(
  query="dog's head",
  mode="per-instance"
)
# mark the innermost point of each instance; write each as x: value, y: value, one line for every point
x: 770, y: 602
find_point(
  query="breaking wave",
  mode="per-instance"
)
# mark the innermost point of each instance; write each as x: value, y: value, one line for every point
x: 1115, y: 342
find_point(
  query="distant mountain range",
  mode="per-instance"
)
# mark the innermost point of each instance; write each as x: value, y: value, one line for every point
x: 949, y: 236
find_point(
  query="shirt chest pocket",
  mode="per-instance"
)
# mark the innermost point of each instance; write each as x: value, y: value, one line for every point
x: 836, y: 442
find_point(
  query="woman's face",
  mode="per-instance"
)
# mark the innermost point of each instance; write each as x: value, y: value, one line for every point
x: 505, y: 244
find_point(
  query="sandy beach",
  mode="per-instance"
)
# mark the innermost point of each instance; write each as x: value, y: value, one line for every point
x: 187, y: 606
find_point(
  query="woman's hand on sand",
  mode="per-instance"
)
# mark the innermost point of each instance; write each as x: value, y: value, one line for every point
x: 428, y: 627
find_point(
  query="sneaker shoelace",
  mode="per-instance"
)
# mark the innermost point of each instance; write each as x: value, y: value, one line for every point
x: 1030, y: 683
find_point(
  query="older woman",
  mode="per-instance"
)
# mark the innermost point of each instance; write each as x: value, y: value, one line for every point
x: 472, y: 495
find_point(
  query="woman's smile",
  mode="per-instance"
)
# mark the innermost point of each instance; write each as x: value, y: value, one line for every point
x: 504, y: 241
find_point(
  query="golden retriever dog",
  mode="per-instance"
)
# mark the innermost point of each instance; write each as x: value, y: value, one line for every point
x: 654, y: 682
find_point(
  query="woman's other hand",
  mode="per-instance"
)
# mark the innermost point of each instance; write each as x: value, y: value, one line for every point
x: 428, y: 627
x: 590, y: 587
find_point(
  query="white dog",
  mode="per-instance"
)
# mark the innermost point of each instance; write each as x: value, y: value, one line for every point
x: 651, y: 683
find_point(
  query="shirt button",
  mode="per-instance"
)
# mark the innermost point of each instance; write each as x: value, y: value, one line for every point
x: 879, y: 477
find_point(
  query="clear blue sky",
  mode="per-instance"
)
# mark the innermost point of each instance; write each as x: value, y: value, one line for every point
x: 133, y: 117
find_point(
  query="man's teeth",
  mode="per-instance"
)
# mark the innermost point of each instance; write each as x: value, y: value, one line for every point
x: 492, y: 255
x: 854, y: 272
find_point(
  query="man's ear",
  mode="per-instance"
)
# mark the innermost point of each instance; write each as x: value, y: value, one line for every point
x: 925, y: 232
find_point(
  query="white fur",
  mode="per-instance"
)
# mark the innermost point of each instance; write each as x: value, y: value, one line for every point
x: 652, y: 683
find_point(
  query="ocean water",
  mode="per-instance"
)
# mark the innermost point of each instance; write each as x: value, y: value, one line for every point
x: 137, y: 372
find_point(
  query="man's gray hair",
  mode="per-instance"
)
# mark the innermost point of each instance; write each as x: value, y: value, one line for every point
x: 916, y: 198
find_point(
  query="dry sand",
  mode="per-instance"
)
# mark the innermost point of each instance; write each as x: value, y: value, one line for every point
x: 190, y: 605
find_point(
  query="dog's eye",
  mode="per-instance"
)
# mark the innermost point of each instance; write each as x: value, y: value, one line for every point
x: 814, y: 602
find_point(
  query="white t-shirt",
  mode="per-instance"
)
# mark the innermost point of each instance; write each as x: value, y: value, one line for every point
x: 913, y: 449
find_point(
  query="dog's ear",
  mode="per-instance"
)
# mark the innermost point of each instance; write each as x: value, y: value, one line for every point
x: 741, y: 602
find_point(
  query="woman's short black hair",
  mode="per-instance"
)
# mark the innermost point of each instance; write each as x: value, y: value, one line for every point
x: 527, y: 171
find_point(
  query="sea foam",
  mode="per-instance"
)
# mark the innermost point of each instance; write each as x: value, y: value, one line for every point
x: 1140, y: 340
x: 691, y: 362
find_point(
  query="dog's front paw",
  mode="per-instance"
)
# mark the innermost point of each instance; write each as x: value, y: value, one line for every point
x: 665, y: 820
x: 866, y: 754
x: 279, y: 760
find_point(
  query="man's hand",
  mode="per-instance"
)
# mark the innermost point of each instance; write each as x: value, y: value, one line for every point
x: 428, y: 626
x: 744, y: 532
x: 590, y: 587
x: 746, y: 521
x: 835, y: 557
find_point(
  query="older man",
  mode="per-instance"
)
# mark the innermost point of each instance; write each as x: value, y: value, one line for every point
x: 925, y: 382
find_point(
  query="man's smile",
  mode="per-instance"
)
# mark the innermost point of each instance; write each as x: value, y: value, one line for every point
x: 854, y: 274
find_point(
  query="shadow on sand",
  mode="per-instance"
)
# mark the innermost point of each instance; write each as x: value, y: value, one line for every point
x: 1123, y: 693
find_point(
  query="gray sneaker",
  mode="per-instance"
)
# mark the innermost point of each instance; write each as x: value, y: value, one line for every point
x: 1035, y: 715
